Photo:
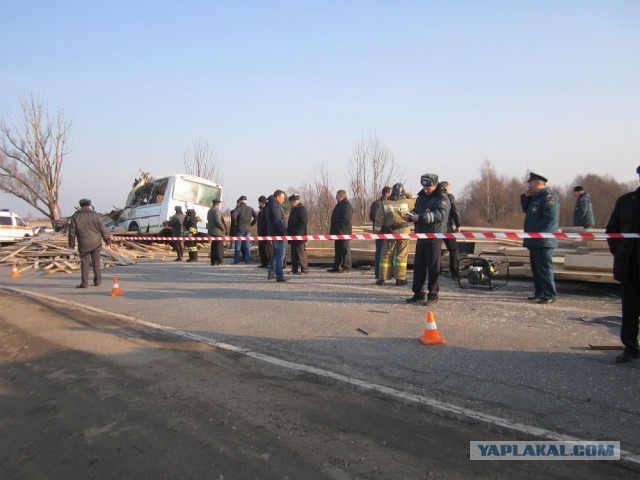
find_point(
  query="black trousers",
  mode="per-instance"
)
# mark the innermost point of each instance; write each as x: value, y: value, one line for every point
x: 299, y: 260
x: 452, y: 246
x: 264, y: 249
x: 217, y: 252
x: 630, y: 315
x: 343, y: 254
x: 87, y: 259
x: 426, y: 267
x: 177, y: 246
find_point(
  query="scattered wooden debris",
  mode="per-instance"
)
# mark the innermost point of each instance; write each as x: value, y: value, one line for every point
x: 53, y: 255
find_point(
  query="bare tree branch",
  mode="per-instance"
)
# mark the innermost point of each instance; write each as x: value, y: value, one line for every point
x: 371, y: 167
x: 201, y: 161
x: 32, y: 152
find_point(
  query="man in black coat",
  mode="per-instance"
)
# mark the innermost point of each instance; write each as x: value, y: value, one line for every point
x: 276, y: 227
x: 341, y: 219
x: 86, y: 225
x: 625, y: 218
x: 177, y: 230
x: 264, y: 246
x: 216, y: 227
x: 243, y: 218
x: 298, y: 219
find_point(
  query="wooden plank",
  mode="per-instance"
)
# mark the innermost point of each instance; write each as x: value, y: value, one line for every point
x: 590, y: 263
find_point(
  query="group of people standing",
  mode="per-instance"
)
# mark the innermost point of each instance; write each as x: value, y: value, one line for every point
x: 432, y: 211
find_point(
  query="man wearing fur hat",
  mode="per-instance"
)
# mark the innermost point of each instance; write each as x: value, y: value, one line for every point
x: 430, y: 215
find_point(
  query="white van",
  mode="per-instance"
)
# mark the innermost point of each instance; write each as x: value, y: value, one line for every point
x: 152, y: 203
x: 12, y: 227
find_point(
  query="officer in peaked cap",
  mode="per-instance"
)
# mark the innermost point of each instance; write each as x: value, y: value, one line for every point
x: 86, y: 227
x: 536, y: 177
x: 542, y: 214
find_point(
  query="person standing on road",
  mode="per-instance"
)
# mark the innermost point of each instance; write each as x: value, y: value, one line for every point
x: 390, y: 218
x: 583, y: 213
x: 264, y: 246
x: 430, y: 215
x: 190, y: 230
x: 87, y: 227
x: 276, y: 227
x: 216, y: 227
x: 298, y: 220
x: 373, y: 212
x: 542, y: 214
x: 243, y: 217
x: 177, y: 230
x: 625, y: 218
x: 453, y: 226
x: 341, y: 219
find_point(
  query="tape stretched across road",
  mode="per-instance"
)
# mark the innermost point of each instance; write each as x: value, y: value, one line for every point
x: 398, y: 236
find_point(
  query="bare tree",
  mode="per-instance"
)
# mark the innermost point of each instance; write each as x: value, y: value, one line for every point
x: 493, y: 200
x: 371, y: 167
x: 32, y: 152
x: 319, y: 199
x: 201, y: 161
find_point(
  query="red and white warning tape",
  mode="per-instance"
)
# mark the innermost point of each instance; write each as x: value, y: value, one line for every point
x: 398, y: 236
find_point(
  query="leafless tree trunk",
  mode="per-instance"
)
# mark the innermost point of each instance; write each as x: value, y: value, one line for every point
x: 32, y: 151
x: 372, y: 166
x: 201, y: 161
x: 319, y: 199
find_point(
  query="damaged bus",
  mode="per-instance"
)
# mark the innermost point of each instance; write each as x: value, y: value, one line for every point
x: 152, y: 201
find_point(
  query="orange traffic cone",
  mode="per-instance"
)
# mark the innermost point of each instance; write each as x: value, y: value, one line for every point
x: 14, y: 271
x: 430, y: 335
x: 115, y: 289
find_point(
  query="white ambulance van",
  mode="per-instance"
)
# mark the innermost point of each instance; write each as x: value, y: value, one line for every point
x: 12, y: 227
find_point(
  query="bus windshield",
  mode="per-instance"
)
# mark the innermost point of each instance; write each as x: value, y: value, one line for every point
x: 197, y: 193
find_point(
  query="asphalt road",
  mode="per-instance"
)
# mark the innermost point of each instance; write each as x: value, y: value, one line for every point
x: 508, y: 366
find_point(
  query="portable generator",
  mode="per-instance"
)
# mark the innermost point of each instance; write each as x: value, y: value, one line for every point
x: 486, y: 270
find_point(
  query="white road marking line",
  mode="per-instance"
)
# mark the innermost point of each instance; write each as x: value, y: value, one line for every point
x: 443, y: 408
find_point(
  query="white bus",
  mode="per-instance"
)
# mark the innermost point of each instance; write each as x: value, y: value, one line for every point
x: 152, y: 203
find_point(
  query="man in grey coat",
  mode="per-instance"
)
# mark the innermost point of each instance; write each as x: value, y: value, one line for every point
x: 87, y: 227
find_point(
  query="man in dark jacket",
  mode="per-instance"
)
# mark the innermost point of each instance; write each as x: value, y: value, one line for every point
x: 341, y: 218
x: 276, y: 227
x: 216, y: 227
x: 583, y: 213
x: 542, y: 214
x: 430, y: 215
x: 87, y: 227
x: 373, y: 212
x: 243, y: 217
x: 625, y: 218
x: 177, y: 230
x: 298, y: 219
x: 453, y: 226
x: 264, y: 246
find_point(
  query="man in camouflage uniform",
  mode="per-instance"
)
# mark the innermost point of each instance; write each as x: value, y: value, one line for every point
x: 390, y: 219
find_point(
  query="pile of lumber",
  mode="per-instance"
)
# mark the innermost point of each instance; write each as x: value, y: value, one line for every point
x: 53, y: 255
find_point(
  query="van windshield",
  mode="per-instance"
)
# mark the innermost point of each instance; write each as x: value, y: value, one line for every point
x: 197, y: 193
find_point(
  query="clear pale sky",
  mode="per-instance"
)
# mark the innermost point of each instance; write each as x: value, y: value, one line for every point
x: 277, y: 87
